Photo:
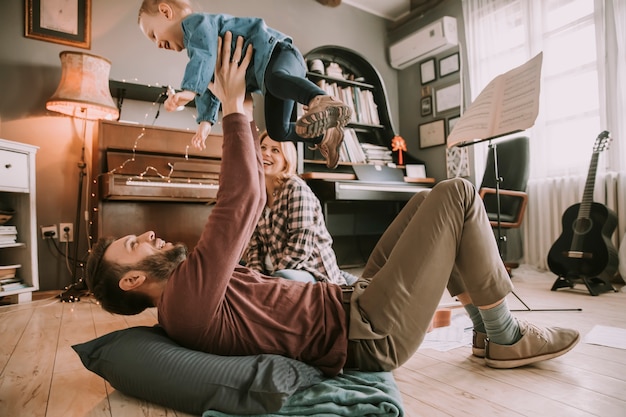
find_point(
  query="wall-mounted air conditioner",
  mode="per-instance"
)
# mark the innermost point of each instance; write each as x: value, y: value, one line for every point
x: 430, y: 40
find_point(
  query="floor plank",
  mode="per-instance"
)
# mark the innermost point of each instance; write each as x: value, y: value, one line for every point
x: 42, y: 376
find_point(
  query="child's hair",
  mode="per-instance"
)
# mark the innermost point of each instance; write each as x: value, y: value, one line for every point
x: 151, y: 7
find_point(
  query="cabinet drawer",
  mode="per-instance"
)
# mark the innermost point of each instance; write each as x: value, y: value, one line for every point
x: 13, y: 170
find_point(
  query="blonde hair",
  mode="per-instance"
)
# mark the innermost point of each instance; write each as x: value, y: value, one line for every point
x: 151, y: 7
x: 290, y: 154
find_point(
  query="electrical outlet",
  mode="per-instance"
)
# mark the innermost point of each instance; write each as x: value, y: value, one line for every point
x: 49, y: 232
x: 66, y: 232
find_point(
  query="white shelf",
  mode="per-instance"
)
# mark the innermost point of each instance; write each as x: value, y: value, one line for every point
x: 17, y: 192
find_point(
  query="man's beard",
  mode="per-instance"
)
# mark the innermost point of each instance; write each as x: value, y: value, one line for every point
x: 161, y: 265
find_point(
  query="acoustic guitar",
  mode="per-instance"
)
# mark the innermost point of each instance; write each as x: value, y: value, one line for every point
x: 584, y: 250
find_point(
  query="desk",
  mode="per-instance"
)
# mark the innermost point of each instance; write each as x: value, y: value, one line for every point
x: 357, y: 213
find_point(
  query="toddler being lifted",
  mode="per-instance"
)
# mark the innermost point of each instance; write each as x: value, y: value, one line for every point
x: 278, y: 71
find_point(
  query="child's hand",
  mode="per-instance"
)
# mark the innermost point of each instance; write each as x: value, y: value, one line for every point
x: 176, y: 101
x: 199, y: 139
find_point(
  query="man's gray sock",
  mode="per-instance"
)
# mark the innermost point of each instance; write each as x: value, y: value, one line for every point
x: 474, y: 315
x: 500, y: 325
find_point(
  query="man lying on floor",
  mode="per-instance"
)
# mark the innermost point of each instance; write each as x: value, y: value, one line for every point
x: 207, y: 302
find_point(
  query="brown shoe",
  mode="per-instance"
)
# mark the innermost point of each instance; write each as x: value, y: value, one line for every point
x: 329, y: 146
x: 537, y: 344
x: 478, y: 343
x: 324, y: 112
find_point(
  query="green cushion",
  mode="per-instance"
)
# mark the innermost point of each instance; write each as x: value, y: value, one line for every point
x: 144, y: 363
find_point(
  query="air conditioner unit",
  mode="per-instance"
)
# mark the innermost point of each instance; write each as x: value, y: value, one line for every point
x: 428, y: 41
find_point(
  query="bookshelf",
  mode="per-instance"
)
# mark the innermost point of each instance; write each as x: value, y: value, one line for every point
x: 19, y: 244
x: 348, y: 76
x: 356, y: 212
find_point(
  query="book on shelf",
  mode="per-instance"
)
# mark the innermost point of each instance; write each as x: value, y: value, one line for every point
x: 6, y: 230
x: 11, y: 280
x: 508, y: 104
x: 376, y: 154
x: 343, y: 153
x: 355, y: 152
x: 14, y: 286
x: 8, y: 234
x: 7, y: 239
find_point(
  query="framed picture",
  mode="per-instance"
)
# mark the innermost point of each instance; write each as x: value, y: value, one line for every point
x: 448, y: 97
x: 427, y: 106
x: 449, y: 65
x: 67, y: 22
x: 427, y: 71
x: 432, y: 133
x: 451, y: 122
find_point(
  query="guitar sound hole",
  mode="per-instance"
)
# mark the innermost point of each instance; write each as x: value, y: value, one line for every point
x: 582, y: 226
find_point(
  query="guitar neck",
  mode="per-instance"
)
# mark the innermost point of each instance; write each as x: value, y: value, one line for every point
x: 589, y: 186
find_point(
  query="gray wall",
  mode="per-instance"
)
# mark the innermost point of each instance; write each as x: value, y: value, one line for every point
x: 409, y: 82
x: 30, y: 71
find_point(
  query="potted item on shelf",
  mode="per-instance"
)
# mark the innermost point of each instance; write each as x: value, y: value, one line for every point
x: 6, y: 215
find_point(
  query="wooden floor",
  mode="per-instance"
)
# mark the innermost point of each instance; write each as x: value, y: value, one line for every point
x: 42, y: 376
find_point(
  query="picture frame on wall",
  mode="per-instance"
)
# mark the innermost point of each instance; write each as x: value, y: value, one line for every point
x: 432, y: 133
x: 427, y: 71
x: 426, y: 106
x: 66, y: 22
x: 451, y: 122
x: 448, y: 98
x: 449, y: 65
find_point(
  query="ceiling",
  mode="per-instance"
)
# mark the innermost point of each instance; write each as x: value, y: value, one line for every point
x: 389, y: 9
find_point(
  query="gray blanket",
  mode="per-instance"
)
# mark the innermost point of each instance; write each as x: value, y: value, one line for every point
x: 350, y: 394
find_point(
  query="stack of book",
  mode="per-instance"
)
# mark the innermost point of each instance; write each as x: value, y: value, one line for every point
x: 8, y: 235
x: 8, y: 280
x: 10, y: 284
x: 375, y: 154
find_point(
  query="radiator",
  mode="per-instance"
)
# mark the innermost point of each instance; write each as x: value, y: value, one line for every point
x: 549, y: 198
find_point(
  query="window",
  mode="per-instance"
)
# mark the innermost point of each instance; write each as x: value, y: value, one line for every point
x: 502, y: 34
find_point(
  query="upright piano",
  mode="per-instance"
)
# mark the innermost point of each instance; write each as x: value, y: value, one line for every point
x: 151, y: 178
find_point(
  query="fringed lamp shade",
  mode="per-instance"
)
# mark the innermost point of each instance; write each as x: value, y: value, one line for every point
x: 83, y: 91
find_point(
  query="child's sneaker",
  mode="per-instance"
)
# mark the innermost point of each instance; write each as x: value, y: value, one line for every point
x: 329, y: 146
x: 323, y: 113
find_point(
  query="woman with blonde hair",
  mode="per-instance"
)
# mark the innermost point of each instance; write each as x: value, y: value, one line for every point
x: 291, y: 240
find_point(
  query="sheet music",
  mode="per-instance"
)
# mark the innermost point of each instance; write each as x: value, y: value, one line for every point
x: 509, y: 103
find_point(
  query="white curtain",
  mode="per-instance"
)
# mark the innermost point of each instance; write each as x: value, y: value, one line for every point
x: 614, y: 25
x: 490, y: 54
x: 583, y: 90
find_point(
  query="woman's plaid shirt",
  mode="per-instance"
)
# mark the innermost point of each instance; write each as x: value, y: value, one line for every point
x: 293, y: 235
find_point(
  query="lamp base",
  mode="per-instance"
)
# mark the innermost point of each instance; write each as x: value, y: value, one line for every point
x: 74, y: 291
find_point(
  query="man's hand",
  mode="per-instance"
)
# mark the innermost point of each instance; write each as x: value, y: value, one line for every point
x: 229, y: 83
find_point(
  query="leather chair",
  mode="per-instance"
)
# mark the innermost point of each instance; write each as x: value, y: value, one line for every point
x: 513, y: 169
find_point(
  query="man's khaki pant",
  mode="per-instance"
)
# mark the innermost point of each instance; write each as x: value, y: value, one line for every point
x: 441, y: 239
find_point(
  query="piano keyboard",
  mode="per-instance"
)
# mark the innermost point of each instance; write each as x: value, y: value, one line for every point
x: 168, y: 184
x: 129, y: 188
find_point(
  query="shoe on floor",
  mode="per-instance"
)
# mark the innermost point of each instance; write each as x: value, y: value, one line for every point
x: 323, y: 113
x: 329, y: 146
x: 537, y: 344
x: 478, y: 343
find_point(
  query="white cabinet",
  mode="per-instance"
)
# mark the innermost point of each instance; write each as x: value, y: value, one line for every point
x: 17, y: 192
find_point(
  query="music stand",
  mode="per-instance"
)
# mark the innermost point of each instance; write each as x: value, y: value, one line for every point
x: 500, y: 239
